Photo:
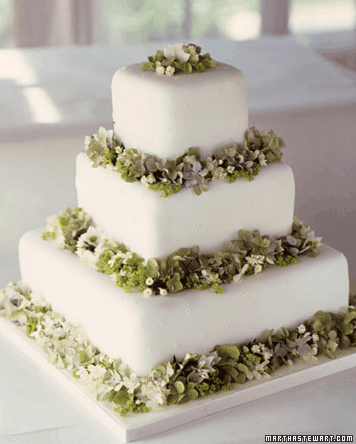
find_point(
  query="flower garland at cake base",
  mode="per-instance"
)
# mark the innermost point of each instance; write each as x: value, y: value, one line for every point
x: 176, y: 381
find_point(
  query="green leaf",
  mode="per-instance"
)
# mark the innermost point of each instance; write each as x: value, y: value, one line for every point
x: 243, y: 368
x: 350, y: 317
x: 241, y: 378
x: 179, y: 387
x: 228, y: 351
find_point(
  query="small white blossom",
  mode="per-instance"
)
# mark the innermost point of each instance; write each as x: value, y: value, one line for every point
x: 230, y: 169
x: 177, y: 52
x: 153, y: 394
x: 148, y: 180
x: 256, y: 261
x: 160, y: 70
x: 245, y: 349
x: 258, y: 371
x: 170, y: 70
x: 149, y: 281
x: 262, y: 160
x: 148, y: 292
x: 87, y: 246
x: 301, y: 329
x: 315, y: 337
x: 163, y: 292
x: 53, y: 226
x: 255, y: 349
x: 131, y: 382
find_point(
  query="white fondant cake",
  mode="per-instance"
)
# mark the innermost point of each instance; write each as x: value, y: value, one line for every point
x: 165, y: 116
x: 155, y: 227
x: 145, y: 332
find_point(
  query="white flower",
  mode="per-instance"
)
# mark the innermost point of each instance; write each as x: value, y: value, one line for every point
x: 40, y: 336
x: 230, y: 169
x: 149, y: 281
x: 256, y: 261
x: 267, y: 354
x: 160, y: 70
x: 49, y: 325
x: 245, y: 349
x: 255, y: 349
x: 53, y: 226
x: 153, y: 394
x: 315, y: 337
x: 170, y: 70
x: 131, y: 383
x: 115, y: 382
x: 239, y: 276
x: 94, y: 378
x: 148, y: 180
x: 87, y: 246
x: 262, y: 160
x: 177, y: 52
x: 148, y: 292
x: 258, y: 371
x: 301, y: 329
x: 163, y: 292
x: 38, y: 300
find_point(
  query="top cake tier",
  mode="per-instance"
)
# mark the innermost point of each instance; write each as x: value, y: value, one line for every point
x: 164, y: 116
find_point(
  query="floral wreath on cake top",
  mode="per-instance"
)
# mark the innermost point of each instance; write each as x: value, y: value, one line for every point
x: 179, y: 58
x: 250, y: 253
x: 189, y: 170
x: 176, y: 381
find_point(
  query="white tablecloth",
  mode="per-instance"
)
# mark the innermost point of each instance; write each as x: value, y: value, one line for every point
x: 306, y: 100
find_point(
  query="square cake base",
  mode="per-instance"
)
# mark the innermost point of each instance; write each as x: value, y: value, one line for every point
x: 147, y: 424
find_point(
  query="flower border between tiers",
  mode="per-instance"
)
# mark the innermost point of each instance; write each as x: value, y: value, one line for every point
x: 183, y: 269
x: 169, y: 176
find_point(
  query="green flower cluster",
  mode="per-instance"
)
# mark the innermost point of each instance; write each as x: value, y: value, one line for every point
x: 185, y: 268
x: 169, y: 176
x: 176, y: 381
x: 179, y: 58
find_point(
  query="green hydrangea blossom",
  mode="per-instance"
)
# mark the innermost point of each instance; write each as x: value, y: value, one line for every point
x: 169, y: 176
x: 187, y: 268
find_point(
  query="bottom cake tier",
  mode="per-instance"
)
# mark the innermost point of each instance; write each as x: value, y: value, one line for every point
x: 145, y: 332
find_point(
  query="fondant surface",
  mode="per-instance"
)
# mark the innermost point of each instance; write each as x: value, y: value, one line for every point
x: 165, y: 115
x: 147, y: 331
x: 153, y: 226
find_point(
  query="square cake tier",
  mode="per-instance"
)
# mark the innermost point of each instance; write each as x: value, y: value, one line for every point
x: 165, y: 115
x: 145, y: 332
x: 153, y: 226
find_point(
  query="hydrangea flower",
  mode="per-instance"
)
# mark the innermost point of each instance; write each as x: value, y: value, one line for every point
x: 170, y: 70
x: 256, y: 261
x: 176, y: 52
x: 54, y: 231
x: 256, y: 349
x: 160, y: 70
x: 87, y: 246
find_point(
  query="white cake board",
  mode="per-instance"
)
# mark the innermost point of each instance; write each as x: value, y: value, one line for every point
x: 147, y: 424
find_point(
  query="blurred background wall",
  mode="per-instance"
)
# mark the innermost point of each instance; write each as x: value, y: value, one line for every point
x: 327, y: 25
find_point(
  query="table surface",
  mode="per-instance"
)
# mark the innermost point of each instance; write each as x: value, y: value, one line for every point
x: 305, y: 99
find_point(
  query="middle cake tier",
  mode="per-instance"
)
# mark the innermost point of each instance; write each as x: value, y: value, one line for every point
x: 153, y: 226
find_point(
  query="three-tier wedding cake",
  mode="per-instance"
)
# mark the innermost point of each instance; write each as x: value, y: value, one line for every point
x: 184, y: 241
